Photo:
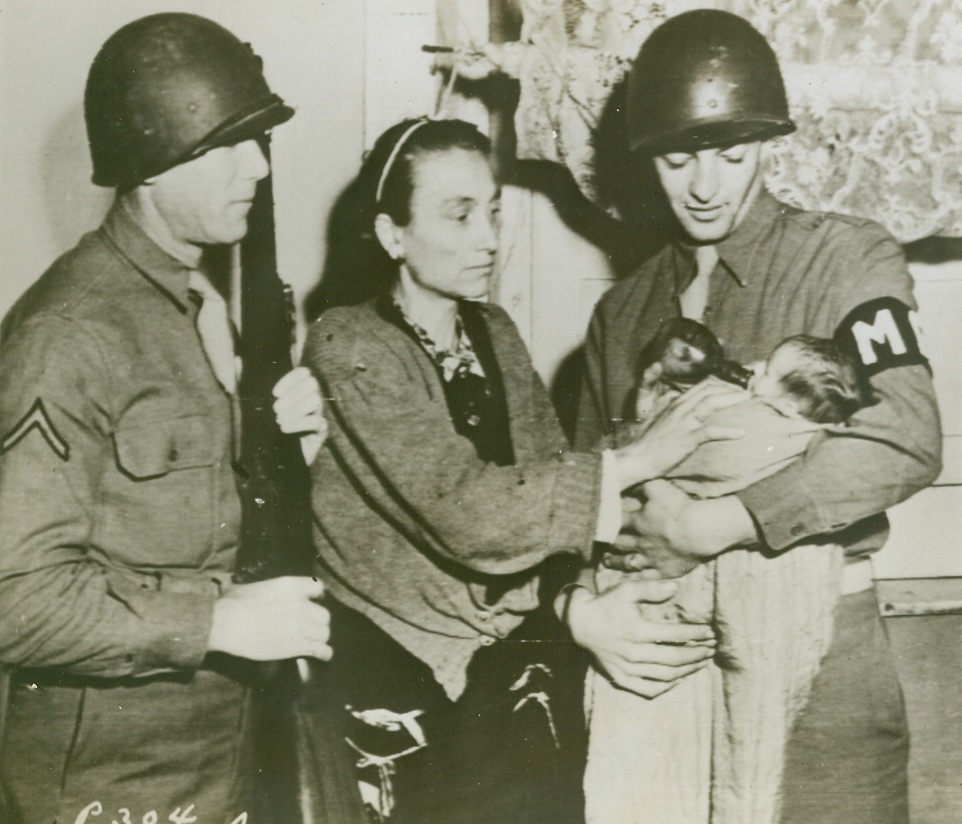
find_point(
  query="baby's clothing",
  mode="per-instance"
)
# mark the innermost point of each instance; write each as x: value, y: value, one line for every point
x: 713, y: 744
x: 771, y: 440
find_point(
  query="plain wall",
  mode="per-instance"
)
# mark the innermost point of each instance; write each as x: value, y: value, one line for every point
x: 314, y: 57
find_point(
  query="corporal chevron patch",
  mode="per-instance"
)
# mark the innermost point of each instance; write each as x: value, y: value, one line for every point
x: 37, y: 418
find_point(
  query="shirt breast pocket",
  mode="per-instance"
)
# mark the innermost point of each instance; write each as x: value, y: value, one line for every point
x: 159, y: 504
x: 156, y: 448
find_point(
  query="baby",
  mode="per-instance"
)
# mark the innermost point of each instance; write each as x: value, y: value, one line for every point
x: 811, y: 378
x: 806, y: 385
x: 804, y: 376
x: 772, y: 615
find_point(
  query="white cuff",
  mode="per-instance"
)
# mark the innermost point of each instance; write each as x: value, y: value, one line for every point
x: 609, y: 511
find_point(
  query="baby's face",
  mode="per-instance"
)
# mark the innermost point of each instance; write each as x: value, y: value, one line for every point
x: 767, y: 380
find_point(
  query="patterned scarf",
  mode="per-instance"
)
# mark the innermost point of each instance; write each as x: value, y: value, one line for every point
x: 459, y: 362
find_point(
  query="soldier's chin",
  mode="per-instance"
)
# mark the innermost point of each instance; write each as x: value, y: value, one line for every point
x: 707, y: 231
x: 234, y: 233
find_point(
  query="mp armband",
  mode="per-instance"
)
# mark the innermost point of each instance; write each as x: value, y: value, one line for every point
x: 881, y: 334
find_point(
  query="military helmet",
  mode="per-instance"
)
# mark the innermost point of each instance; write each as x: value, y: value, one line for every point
x: 165, y: 89
x: 703, y: 79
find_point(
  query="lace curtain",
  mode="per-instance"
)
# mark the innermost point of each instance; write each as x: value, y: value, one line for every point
x: 875, y: 87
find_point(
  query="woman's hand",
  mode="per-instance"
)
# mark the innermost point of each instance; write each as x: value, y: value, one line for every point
x: 677, y: 431
x: 299, y: 410
x: 643, y: 656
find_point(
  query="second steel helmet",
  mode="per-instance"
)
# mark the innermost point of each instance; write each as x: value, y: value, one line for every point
x: 168, y: 87
x: 703, y: 79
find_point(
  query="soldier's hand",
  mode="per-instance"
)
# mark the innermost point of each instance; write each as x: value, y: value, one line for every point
x: 643, y: 656
x: 299, y: 410
x: 673, y: 533
x: 639, y: 546
x: 272, y: 620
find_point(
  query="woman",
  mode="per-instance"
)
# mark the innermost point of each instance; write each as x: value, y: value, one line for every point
x: 444, y: 487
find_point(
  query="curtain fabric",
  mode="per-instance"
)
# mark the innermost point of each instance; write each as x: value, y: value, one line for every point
x: 875, y: 87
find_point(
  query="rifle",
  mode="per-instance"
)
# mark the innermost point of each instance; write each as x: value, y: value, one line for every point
x: 299, y: 751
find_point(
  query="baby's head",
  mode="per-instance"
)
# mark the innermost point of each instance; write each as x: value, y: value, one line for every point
x: 811, y: 378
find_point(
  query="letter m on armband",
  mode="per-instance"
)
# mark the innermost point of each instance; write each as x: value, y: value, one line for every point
x: 881, y: 334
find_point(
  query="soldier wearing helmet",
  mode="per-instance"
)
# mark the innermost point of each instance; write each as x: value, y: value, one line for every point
x: 130, y: 648
x: 704, y: 97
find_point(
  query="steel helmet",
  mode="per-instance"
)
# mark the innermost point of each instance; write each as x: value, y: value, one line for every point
x: 703, y: 79
x: 165, y: 89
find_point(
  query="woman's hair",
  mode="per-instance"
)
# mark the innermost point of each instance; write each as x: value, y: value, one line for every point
x: 826, y: 383
x: 388, y: 171
x: 357, y: 267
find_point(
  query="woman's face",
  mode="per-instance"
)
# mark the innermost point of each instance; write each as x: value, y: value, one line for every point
x: 449, y: 245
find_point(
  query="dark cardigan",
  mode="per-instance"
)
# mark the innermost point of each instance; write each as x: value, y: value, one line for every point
x: 411, y: 525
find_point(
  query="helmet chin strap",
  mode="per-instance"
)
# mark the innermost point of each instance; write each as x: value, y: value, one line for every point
x: 752, y: 194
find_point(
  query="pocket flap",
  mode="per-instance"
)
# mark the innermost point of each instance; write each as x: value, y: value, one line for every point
x: 150, y: 450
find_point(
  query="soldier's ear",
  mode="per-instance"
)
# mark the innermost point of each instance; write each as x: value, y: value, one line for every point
x: 390, y: 236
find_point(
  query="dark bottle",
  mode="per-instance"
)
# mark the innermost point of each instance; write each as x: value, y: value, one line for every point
x: 689, y: 351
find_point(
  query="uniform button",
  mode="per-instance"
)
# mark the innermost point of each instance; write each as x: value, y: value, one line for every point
x: 487, y: 640
x: 797, y: 529
x: 484, y: 616
x: 473, y: 420
x: 173, y: 455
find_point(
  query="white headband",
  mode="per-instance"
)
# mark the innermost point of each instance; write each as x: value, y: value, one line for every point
x: 393, y: 156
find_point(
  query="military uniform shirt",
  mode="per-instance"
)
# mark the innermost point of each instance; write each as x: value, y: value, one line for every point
x: 120, y: 521
x: 785, y: 272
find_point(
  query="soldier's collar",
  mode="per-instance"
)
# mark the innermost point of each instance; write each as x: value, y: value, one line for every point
x: 736, y: 251
x: 132, y: 241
